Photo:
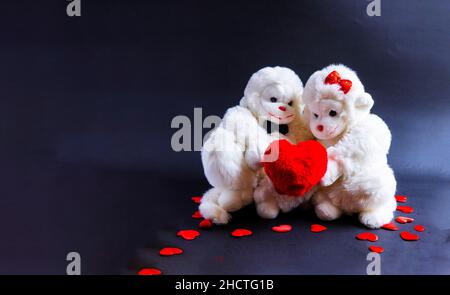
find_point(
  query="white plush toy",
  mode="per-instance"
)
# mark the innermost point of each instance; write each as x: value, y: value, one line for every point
x: 232, y: 154
x: 358, y: 178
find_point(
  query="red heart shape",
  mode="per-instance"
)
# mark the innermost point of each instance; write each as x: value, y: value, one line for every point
x: 419, y: 228
x: 241, y: 232
x: 295, y: 169
x: 170, y: 251
x: 407, y: 236
x: 197, y: 199
x: 149, y: 272
x: 197, y: 215
x: 401, y: 199
x: 390, y: 226
x: 188, y: 234
x: 405, y: 209
x: 403, y: 219
x: 376, y: 249
x: 367, y: 237
x: 317, y: 228
x: 205, y: 224
x: 284, y: 228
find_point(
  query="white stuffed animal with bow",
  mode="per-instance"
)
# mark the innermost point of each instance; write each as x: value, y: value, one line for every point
x: 358, y: 178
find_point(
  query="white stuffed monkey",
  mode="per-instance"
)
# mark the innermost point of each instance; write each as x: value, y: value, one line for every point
x: 232, y: 154
x: 358, y: 179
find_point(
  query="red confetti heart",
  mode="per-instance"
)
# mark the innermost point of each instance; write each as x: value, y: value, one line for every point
x: 205, y: 224
x: 284, y: 228
x: 241, y: 232
x: 188, y: 234
x: 419, y: 228
x: 390, y: 226
x: 367, y: 236
x: 196, y: 199
x: 405, y: 209
x: 149, y: 272
x: 401, y: 199
x: 197, y: 215
x: 376, y: 249
x: 170, y: 251
x: 403, y: 219
x: 407, y: 236
x: 317, y: 228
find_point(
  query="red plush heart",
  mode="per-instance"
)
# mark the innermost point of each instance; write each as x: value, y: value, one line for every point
x: 295, y: 169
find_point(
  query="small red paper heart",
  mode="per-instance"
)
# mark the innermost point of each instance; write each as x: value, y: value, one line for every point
x: 168, y: 251
x: 401, y: 199
x: 376, y: 249
x: 205, y: 224
x: 367, y: 236
x: 283, y: 228
x: 149, y: 272
x: 390, y: 226
x: 196, y: 199
x: 407, y: 236
x: 241, y: 232
x: 197, y: 215
x: 419, y: 228
x: 295, y: 169
x: 188, y: 234
x: 405, y: 209
x: 317, y: 228
x: 403, y: 219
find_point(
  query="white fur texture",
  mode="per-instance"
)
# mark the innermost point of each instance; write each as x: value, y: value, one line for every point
x: 232, y: 154
x: 358, y: 179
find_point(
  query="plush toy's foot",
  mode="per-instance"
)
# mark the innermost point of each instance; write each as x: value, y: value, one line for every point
x: 327, y: 211
x: 376, y: 218
x: 233, y: 200
x: 210, y: 209
x: 267, y: 210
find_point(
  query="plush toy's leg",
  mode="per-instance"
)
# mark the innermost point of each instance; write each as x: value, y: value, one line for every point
x: 266, y: 202
x: 230, y: 200
x: 327, y: 211
x: 376, y: 218
x: 210, y: 209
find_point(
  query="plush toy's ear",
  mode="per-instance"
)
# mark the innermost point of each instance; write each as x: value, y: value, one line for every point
x: 364, y: 103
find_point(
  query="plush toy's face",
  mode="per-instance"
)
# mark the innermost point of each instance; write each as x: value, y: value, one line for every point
x: 277, y: 103
x: 327, y: 118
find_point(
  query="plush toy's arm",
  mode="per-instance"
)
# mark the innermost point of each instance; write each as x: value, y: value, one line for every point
x: 334, y: 168
x: 370, y: 138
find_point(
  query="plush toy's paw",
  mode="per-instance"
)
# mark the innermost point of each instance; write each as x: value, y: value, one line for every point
x: 247, y: 197
x: 233, y: 200
x: 327, y: 211
x: 214, y: 213
x: 332, y: 174
x: 376, y: 218
x: 268, y: 210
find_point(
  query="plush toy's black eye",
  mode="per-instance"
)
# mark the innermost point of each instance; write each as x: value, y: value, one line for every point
x: 290, y: 103
x: 332, y: 113
x: 316, y: 116
x: 273, y: 99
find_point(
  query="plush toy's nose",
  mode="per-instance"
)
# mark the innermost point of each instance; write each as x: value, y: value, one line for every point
x: 282, y: 108
x: 320, y: 128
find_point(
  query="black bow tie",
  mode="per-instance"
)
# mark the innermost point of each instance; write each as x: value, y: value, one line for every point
x: 273, y: 127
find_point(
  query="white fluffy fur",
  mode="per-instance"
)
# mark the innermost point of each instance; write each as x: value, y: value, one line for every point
x: 358, y: 179
x: 231, y: 155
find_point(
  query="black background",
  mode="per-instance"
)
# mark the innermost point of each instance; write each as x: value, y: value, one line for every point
x: 86, y: 104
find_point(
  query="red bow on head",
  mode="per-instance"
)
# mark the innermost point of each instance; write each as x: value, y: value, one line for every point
x: 335, y: 78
